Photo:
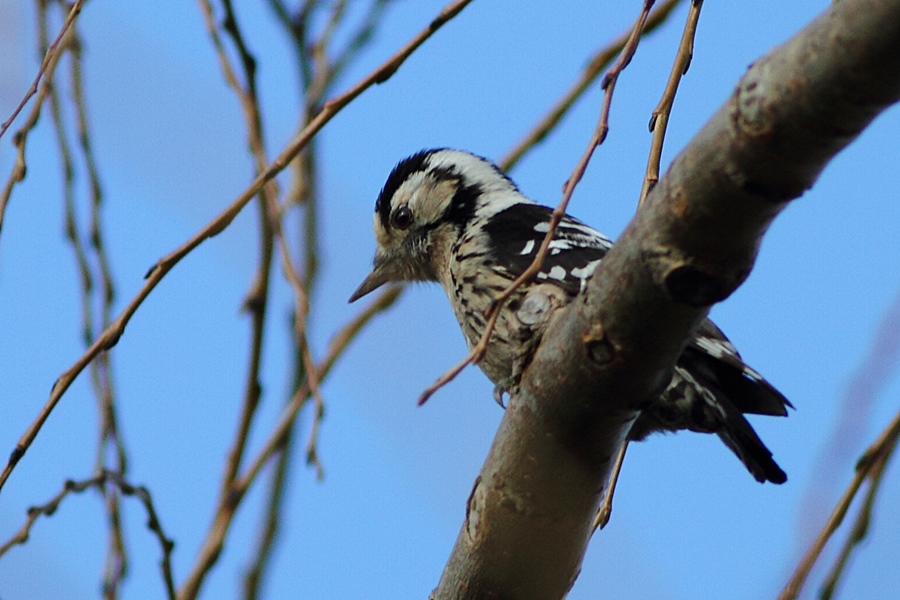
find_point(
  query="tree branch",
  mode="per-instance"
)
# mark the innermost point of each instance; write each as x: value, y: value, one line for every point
x: 111, y: 335
x: 693, y: 242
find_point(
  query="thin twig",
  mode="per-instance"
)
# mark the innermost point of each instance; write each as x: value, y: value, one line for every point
x: 612, y: 76
x: 17, y: 174
x: 224, y: 513
x: 861, y: 525
x: 257, y: 298
x: 874, y: 373
x: 312, y: 445
x: 111, y: 334
x: 48, y: 64
x: 255, y: 575
x: 602, y: 128
x: 336, y: 348
x: 127, y: 489
x: 270, y: 215
x: 228, y: 503
x: 868, y: 467
x: 272, y: 517
x: 116, y: 565
x: 473, y: 357
x: 604, y: 512
x: 359, y: 39
x: 594, y: 68
x: 317, y: 73
x: 111, y: 452
x: 250, y: 100
x: 659, y: 121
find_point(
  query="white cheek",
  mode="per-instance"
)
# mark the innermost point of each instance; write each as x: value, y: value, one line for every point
x: 381, y: 236
x: 430, y: 200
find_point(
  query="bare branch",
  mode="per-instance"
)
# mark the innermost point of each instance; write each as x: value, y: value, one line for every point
x: 863, y: 519
x: 870, y: 466
x: 48, y: 64
x: 127, y: 489
x: 593, y: 69
x: 228, y: 504
x: 530, y: 512
x: 880, y: 363
x: 660, y: 119
x: 609, y: 84
x: 258, y: 297
x: 93, y: 268
x: 111, y: 334
x: 51, y: 59
x: 658, y: 123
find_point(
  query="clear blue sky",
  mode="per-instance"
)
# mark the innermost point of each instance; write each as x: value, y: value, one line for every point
x: 689, y: 522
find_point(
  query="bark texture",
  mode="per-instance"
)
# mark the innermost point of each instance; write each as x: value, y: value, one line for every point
x: 692, y: 243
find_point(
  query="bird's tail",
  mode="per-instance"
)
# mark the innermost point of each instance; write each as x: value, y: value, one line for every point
x: 740, y: 437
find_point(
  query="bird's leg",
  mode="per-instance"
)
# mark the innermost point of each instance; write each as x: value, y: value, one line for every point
x: 605, y: 510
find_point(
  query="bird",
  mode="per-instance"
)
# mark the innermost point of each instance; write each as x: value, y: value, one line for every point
x: 452, y: 217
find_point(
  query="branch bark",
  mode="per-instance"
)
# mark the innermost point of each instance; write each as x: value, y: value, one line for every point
x: 690, y: 245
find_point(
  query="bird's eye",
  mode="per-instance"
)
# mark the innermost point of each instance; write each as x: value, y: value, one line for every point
x: 402, y: 218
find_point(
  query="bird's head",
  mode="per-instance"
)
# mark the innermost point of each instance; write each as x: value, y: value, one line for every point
x: 426, y: 204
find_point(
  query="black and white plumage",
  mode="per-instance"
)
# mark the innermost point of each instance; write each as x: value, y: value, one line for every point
x: 455, y: 218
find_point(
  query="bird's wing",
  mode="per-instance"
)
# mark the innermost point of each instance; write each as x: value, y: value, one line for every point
x: 516, y: 234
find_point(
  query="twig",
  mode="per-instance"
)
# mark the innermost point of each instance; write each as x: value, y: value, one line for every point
x: 335, y: 349
x: 604, y: 512
x: 473, y: 357
x: 272, y: 516
x: 111, y: 334
x: 225, y: 511
x: 317, y: 74
x: 870, y: 466
x: 359, y: 39
x: 127, y: 489
x: 212, y: 546
x: 116, y: 564
x: 608, y: 85
x: 257, y: 298
x: 342, y: 339
x: 111, y: 453
x: 251, y: 104
x: 660, y: 118
x: 595, y: 66
x: 873, y: 374
x: 51, y: 58
x: 658, y: 123
x: 312, y: 445
x: 48, y: 64
x: 860, y: 525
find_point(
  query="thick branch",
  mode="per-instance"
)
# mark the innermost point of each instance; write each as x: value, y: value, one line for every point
x: 691, y: 244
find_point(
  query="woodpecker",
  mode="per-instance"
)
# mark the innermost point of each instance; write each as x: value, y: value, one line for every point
x: 456, y: 218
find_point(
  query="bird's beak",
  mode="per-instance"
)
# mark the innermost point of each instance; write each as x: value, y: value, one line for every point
x: 377, y: 278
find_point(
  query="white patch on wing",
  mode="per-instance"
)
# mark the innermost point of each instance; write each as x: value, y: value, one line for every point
x: 584, y: 272
x: 557, y: 272
x: 711, y: 347
x: 710, y: 398
x: 723, y: 348
x: 752, y: 374
x: 580, y: 229
x: 529, y: 246
x: 542, y: 227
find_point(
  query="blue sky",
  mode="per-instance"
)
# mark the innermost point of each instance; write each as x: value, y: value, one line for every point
x: 689, y: 522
